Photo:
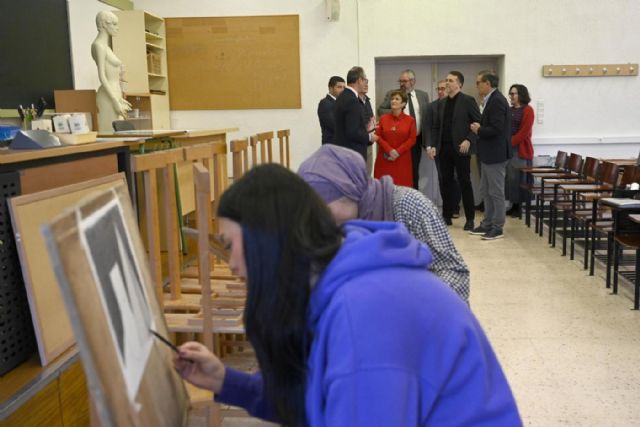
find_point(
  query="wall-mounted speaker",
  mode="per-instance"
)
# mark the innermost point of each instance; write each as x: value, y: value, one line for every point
x: 332, y: 9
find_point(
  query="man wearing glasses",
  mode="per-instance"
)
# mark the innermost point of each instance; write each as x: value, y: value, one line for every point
x: 494, y: 151
x: 416, y: 107
x: 353, y: 131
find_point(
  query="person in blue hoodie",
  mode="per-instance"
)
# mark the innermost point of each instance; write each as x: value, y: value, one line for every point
x: 348, y: 325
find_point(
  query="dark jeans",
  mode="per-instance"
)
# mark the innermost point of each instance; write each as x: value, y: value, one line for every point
x: 416, y: 154
x: 448, y: 161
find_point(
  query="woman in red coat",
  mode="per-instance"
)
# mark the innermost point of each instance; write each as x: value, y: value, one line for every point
x: 521, y: 125
x: 397, y: 134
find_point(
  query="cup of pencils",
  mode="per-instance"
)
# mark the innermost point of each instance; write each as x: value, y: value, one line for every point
x: 27, y: 115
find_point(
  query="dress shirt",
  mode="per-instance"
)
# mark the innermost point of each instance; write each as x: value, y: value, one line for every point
x: 486, y: 98
x: 416, y: 109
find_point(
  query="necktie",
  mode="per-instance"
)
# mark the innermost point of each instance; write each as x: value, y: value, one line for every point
x: 412, y: 112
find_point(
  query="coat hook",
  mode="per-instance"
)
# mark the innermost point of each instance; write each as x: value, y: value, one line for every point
x: 577, y: 70
x: 604, y: 69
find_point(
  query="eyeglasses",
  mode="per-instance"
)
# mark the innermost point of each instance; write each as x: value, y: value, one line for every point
x: 442, y: 88
x: 404, y: 81
x: 478, y: 82
x: 513, y: 93
x: 364, y: 79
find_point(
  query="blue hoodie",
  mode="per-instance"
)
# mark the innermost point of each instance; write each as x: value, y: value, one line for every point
x: 392, y: 345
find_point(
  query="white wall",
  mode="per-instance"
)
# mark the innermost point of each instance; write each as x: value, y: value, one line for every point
x: 584, y: 114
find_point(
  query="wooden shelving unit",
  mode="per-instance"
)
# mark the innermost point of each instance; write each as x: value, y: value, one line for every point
x: 142, y: 34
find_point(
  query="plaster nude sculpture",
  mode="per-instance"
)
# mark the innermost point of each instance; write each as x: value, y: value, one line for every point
x: 111, y: 104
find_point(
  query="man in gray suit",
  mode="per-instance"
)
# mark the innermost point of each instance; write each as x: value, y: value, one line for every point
x: 494, y: 152
x: 416, y: 107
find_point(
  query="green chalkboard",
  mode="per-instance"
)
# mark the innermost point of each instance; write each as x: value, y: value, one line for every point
x: 35, y: 51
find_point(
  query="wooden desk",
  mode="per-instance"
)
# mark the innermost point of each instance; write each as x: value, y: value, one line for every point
x: 29, y: 171
x: 622, y: 162
x: 55, y: 395
x: 635, y: 218
x: 141, y: 133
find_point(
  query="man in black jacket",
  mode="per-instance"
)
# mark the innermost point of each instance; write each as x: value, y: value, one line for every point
x: 453, y: 143
x: 352, y: 129
x: 325, y: 109
x: 494, y: 151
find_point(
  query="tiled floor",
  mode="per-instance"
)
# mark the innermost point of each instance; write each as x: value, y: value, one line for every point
x: 570, y: 350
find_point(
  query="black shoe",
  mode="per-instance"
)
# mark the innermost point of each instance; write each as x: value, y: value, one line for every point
x: 479, y: 231
x: 493, y: 234
x: 480, y: 207
x: 448, y: 221
x: 468, y: 226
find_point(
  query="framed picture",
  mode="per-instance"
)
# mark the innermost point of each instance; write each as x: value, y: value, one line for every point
x: 101, y: 267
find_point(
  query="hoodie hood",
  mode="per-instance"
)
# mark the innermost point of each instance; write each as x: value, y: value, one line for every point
x: 367, y: 246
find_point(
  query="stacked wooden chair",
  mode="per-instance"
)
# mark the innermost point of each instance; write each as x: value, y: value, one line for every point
x: 283, y: 144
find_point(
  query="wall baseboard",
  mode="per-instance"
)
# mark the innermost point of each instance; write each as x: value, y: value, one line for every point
x: 586, y: 140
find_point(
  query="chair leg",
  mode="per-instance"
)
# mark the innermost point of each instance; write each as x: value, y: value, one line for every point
x: 572, y: 239
x: 616, y: 263
x: 636, y: 295
x: 564, y: 233
x: 585, y: 235
x: 609, y: 258
x: 527, y: 211
x: 537, y: 215
x: 592, y: 261
x: 553, y: 225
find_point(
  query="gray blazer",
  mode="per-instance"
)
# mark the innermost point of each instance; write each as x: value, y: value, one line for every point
x: 465, y: 112
x: 423, y: 103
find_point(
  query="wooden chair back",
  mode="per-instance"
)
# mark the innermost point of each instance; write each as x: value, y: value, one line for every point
x: 575, y: 163
x: 213, y: 156
x: 283, y: 145
x: 202, y: 184
x: 591, y: 169
x: 239, y: 149
x: 148, y: 165
x: 630, y: 173
x: 561, y: 160
x: 263, y: 141
x: 610, y: 174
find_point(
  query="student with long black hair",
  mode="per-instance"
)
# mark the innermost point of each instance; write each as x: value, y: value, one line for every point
x: 349, y: 327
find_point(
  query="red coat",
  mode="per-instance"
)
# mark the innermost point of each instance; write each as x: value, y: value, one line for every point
x: 522, y: 138
x: 397, y: 133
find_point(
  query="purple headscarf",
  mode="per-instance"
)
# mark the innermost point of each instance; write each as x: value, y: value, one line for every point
x: 335, y: 172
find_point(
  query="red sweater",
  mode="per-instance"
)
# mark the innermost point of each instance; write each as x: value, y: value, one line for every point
x: 522, y: 138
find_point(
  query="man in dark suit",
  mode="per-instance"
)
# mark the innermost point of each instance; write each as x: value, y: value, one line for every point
x: 494, y: 151
x: 453, y: 143
x: 416, y: 107
x: 325, y: 109
x: 352, y: 129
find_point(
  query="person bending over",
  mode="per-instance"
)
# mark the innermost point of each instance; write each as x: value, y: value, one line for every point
x: 348, y: 326
x: 341, y: 179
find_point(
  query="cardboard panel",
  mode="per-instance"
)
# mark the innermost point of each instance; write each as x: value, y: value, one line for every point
x: 28, y: 213
x: 234, y: 63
